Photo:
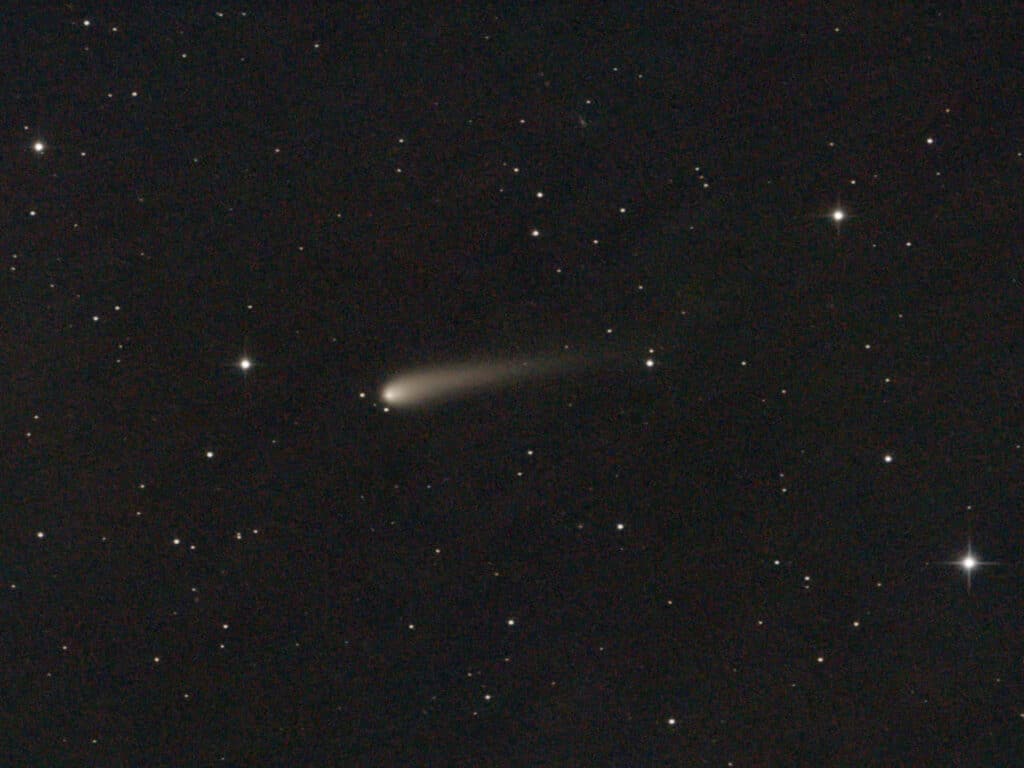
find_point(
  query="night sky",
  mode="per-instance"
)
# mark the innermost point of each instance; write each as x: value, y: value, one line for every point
x: 512, y: 385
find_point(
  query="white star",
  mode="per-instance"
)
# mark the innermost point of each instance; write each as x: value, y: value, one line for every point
x: 969, y: 563
x: 837, y: 215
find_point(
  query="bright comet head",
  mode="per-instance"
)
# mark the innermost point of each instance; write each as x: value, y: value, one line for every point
x: 392, y: 394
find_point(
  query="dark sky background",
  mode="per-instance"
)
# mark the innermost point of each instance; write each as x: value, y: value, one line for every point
x: 731, y: 533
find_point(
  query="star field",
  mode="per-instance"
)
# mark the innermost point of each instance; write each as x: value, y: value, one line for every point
x: 717, y: 312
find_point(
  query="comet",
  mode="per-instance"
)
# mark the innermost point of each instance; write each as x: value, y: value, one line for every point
x: 432, y: 385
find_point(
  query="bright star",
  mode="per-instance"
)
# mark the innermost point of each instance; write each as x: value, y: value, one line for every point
x: 39, y: 147
x: 969, y: 563
x: 245, y: 363
x: 837, y: 215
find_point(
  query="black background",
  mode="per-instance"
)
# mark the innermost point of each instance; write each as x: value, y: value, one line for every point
x: 704, y: 562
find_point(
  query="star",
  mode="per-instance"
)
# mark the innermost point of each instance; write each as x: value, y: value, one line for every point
x: 245, y: 364
x: 839, y: 217
x: 969, y: 563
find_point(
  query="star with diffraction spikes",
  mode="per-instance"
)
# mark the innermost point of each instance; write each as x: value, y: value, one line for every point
x: 969, y: 563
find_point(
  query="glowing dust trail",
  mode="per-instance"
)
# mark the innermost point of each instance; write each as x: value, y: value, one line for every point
x: 436, y: 384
